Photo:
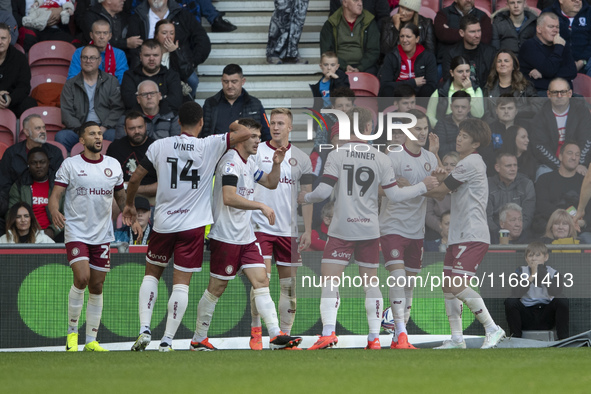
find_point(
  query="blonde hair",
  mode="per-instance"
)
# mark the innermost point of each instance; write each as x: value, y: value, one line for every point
x: 561, y: 216
x: 284, y: 111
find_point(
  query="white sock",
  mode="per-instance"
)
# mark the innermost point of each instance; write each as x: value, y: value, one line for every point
x: 408, y: 290
x: 374, y: 305
x: 266, y: 308
x: 329, y: 307
x: 94, y: 310
x: 147, y: 300
x: 204, y: 315
x: 397, y: 301
x: 287, y: 303
x: 177, y: 305
x: 453, y: 309
x: 255, y: 318
x: 75, y: 304
x: 474, y: 301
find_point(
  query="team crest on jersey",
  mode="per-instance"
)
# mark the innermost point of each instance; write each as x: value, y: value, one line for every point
x: 293, y: 162
x: 582, y: 21
x: 81, y: 191
x: 395, y: 253
x: 108, y: 172
x: 228, y: 168
x: 75, y: 252
x: 229, y: 269
x: 427, y: 166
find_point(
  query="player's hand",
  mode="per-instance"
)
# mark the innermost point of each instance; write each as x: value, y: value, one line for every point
x: 305, y: 241
x: 402, y: 182
x: 58, y: 219
x: 431, y: 182
x: 137, y: 229
x: 269, y: 214
x: 301, y: 198
x: 440, y: 174
x: 579, y: 218
x: 433, y: 143
x: 279, y: 155
x: 129, y: 215
x: 581, y: 169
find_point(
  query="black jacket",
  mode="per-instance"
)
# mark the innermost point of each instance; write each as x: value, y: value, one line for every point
x: 15, y: 75
x: 341, y: 82
x: 168, y: 82
x: 483, y: 58
x: 389, y: 35
x: 504, y: 35
x: 379, y: 8
x: 425, y: 66
x: 119, y: 25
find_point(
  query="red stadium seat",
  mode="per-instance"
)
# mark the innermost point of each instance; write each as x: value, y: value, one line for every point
x: 364, y: 84
x: 3, y: 148
x: 62, y: 148
x: 51, y: 57
x: 435, y: 5
x: 582, y: 86
x: 47, y: 78
x: 78, y: 148
x: 52, y: 116
x: 7, y: 127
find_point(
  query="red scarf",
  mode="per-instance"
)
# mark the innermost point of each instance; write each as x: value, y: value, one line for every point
x: 110, y: 64
x: 407, y: 66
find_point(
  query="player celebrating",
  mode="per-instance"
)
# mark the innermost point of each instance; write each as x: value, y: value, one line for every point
x: 357, y: 169
x: 90, y: 181
x: 402, y: 226
x: 232, y: 241
x: 185, y: 165
x: 468, y: 237
x: 279, y: 240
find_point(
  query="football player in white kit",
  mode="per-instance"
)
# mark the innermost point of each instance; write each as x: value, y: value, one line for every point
x: 356, y: 169
x: 233, y: 244
x: 90, y: 182
x: 185, y: 165
x: 402, y: 226
x: 280, y: 240
x: 469, y: 236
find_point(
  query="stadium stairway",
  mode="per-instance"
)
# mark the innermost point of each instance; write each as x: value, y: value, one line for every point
x: 274, y: 85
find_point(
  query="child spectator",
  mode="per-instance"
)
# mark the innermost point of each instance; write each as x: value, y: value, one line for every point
x: 332, y: 78
x: 319, y: 234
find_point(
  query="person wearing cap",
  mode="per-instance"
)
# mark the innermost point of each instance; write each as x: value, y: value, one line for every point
x: 125, y: 234
x: 408, y: 12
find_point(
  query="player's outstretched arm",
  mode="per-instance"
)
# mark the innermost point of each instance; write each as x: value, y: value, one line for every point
x: 238, y: 133
x: 271, y: 180
x: 399, y: 194
x: 129, y: 212
x: 584, y: 197
x: 434, y: 147
x: 439, y: 192
x: 307, y: 211
x: 57, y: 217
x: 321, y: 193
x: 234, y: 200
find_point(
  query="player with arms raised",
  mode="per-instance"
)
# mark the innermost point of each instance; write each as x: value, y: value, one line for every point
x: 90, y: 182
x: 279, y: 240
x: 356, y: 169
x: 402, y: 226
x: 232, y: 241
x: 185, y: 165
x: 468, y: 237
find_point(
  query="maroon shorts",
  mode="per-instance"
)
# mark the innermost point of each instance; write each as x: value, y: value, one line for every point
x: 463, y: 259
x: 339, y: 251
x: 98, y: 256
x: 227, y: 260
x: 187, y: 247
x: 398, y: 249
x: 284, y: 249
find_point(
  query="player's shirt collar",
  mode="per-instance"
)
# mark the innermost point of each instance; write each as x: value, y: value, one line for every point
x: 409, y: 152
x: 86, y: 159
x: 239, y: 155
x: 272, y: 147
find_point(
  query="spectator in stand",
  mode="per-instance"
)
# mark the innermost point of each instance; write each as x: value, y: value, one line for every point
x: 439, y: 103
x: 509, y: 186
x: 15, y: 83
x: 512, y: 26
x: 574, y: 17
x: 126, y: 234
x: 285, y: 30
x: 7, y: 18
x: 113, y: 12
x: 320, y: 233
x: 34, y: 187
x: 332, y: 78
x: 436, y: 208
x: 517, y: 143
x: 113, y: 60
x: 546, y: 56
x: 561, y: 230
x: 358, y: 47
x: 480, y: 56
x: 176, y: 59
x: 447, y: 25
x: 378, y: 8
x: 448, y: 128
x: 160, y: 122
x: 232, y: 103
x: 409, y: 64
x: 408, y: 12
x: 192, y: 38
x: 151, y: 68
x: 511, y: 219
x: 22, y: 227
x: 342, y: 99
x: 561, y: 190
x: 440, y: 244
x: 562, y: 118
x: 92, y: 95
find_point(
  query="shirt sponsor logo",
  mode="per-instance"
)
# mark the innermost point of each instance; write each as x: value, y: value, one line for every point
x: 40, y: 201
x: 81, y: 191
x: 156, y: 256
x: 245, y: 191
x: 180, y: 211
x: 100, y: 192
x: 287, y: 180
x: 358, y: 220
x: 267, y: 160
x: 341, y: 255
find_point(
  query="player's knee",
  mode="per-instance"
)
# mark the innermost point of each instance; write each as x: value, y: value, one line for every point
x: 217, y: 287
x: 81, y: 281
x: 95, y: 288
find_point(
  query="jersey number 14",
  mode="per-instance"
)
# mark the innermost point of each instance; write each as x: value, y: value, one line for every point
x: 187, y: 174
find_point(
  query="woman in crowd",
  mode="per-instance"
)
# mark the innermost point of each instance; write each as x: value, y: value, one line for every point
x: 518, y: 143
x: 561, y: 230
x: 409, y: 63
x: 22, y: 227
x: 408, y: 12
x: 439, y: 103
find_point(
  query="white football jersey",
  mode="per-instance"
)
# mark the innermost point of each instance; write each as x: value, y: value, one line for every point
x: 358, y: 169
x: 185, y: 166
x: 283, y: 200
x: 407, y: 218
x: 468, y: 202
x: 90, y: 186
x: 232, y: 225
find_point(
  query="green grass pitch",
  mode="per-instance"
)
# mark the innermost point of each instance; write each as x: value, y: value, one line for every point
x: 330, y: 371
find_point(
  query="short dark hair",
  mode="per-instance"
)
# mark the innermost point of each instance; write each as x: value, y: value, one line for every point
x: 34, y: 150
x: 152, y: 44
x: 403, y: 91
x: 458, y: 61
x: 131, y: 115
x: 250, y: 123
x: 91, y: 46
x: 4, y: 26
x: 190, y: 114
x: 477, y: 129
x: 342, y: 92
x: 467, y: 20
x: 80, y: 130
x: 502, y: 154
x: 505, y: 99
x: 418, y: 114
x: 568, y: 142
x: 232, y: 69
x: 412, y: 27
x: 536, y: 247
x: 461, y: 94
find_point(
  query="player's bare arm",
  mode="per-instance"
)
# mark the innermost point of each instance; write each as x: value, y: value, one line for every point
x: 585, y: 196
x: 307, y: 211
x: 148, y: 190
x: 120, y: 199
x: 434, y: 147
x: 57, y: 217
x: 271, y: 180
x: 129, y: 212
x: 238, y: 133
x: 232, y: 199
